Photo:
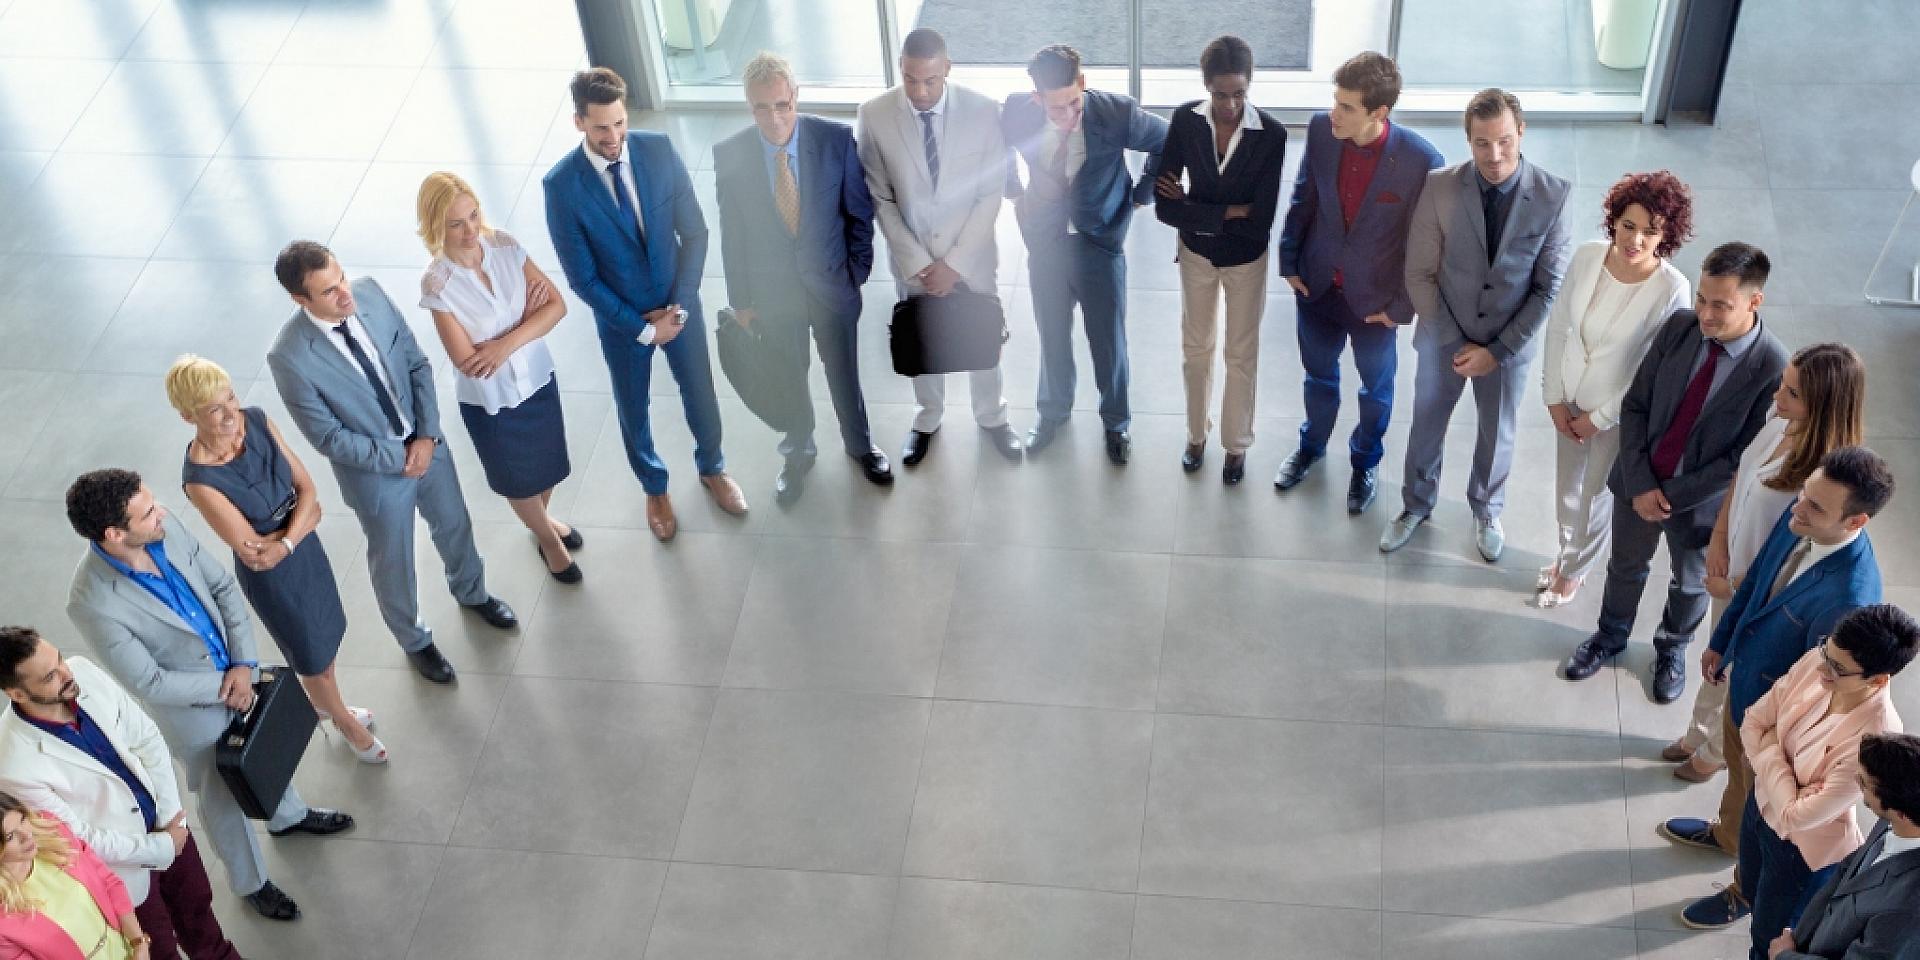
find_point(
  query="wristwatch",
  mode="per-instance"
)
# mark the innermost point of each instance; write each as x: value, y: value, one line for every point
x: 135, y: 943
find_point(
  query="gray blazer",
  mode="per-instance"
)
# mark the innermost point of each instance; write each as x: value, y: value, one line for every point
x: 334, y: 407
x: 1726, y: 424
x: 152, y: 652
x: 1501, y: 307
x: 1864, y: 912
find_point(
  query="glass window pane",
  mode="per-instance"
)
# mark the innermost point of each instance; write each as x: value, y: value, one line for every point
x: 1572, y: 46
x: 829, y: 42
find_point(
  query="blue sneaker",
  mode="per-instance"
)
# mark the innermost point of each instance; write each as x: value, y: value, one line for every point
x: 1717, y: 912
x: 1692, y: 832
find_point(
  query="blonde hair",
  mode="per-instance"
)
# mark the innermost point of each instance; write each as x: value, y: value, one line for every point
x: 767, y: 66
x: 437, y: 194
x: 193, y: 382
x: 53, y: 851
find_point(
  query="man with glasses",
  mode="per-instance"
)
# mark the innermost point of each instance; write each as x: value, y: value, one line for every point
x: 796, y: 234
x: 1815, y: 568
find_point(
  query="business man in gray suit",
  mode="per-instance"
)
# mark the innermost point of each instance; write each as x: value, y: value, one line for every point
x: 356, y: 383
x: 167, y: 620
x: 1485, y: 255
x: 1703, y: 390
x: 1870, y: 910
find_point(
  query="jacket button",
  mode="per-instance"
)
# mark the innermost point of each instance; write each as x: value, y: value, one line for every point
x: 1487, y: 287
x: 1483, y: 316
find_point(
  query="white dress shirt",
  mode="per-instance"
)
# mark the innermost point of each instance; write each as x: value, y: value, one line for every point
x: 359, y: 333
x: 1817, y: 552
x: 1076, y: 142
x: 1249, y: 120
x: 600, y: 165
x: 1894, y: 846
x: 486, y: 315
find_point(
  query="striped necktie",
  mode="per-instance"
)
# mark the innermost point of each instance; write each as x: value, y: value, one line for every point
x: 786, y: 193
x: 932, y: 146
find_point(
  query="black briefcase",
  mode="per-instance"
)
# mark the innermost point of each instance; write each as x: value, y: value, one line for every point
x: 958, y: 332
x: 259, y: 752
x: 765, y: 371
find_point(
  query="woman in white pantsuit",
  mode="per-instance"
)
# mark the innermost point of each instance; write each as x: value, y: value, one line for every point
x: 1617, y: 294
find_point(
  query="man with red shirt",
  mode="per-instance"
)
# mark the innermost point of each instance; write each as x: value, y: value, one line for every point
x: 1343, y: 251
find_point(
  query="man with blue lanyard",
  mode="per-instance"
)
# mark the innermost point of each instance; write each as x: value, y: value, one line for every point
x: 169, y: 623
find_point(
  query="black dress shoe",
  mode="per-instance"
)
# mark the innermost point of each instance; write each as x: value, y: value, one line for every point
x: 1006, y: 441
x: 1119, y: 447
x: 1294, y: 468
x: 1587, y: 659
x: 573, y: 539
x: 792, y: 479
x: 571, y: 574
x: 495, y: 612
x: 1196, y: 454
x: 271, y: 902
x: 1042, y: 434
x: 1361, y: 490
x: 1234, y: 469
x: 874, y: 467
x: 320, y: 822
x: 1669, y: 674
x: 915, y: 449
x: 431, y: 664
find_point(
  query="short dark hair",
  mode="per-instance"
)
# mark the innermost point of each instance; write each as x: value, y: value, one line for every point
x: 1881, y: 637
x: 1054, y: 66
x: 1489, y: 104
x: 1662, y: 195
x: 1868, y: 479
x: 1224, y: 56
x: 1743, y: 260
x: 1893, y: 761
x: 596, y: 87
x: 16, y: 645
x: 1374, y: 76
x: 296, y: 260
x: 98, y: 500
x: 924, y: 43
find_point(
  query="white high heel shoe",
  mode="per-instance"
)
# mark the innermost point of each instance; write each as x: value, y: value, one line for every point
x: 375, y: 752
x: 1548, y: 574
x: 1547, y: 599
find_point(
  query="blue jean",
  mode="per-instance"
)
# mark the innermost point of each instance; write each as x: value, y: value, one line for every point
x: 1078, y: 271
x: 631, y: 365
x: 1774, y: 878
x: 1325, y: 325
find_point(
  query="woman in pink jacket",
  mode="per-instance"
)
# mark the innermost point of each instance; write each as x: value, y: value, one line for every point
x: 58, y: 901
x: 1802, y: 739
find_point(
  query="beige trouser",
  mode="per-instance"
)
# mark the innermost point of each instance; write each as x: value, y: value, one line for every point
x: 1733, y: 799
x: 1582, y: 503
x: 1246, y: 293
x: 1704, y: 730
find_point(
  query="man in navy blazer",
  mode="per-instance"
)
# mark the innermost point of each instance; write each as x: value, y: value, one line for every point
x: 630, y: 237
x: 1344, y: 251
x: 1816, y: 567
x: 1074, y: 213
x: 797, y: 237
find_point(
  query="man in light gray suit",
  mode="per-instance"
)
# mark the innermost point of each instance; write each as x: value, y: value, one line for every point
x: 167, y: 620
x: 1486, y: 251
x: 354, y: 380
x: 1870, y: 910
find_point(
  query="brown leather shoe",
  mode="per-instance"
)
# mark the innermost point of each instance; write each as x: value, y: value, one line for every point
x: 1693, y: 771
x: 660, y: 517
x: 726, y: 494
x: 1675, y: 752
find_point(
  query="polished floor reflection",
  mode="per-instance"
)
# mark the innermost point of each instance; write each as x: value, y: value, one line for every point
x: 1059, y: 710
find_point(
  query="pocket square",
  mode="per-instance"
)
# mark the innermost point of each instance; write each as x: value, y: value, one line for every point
x: 1389, y: 197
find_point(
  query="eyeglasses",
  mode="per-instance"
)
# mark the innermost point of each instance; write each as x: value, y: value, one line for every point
x: 782, y: 108
x: 1833, y: 667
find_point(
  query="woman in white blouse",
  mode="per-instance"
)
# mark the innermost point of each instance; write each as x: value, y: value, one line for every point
x: 1819, y: 408
x: 492, y: 307
x: 1617, y: 294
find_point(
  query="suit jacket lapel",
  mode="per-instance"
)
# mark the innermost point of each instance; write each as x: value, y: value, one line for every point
x: 598, y: 194
x: 811, y: 169
x: 328, y: 352
x: 137, y: 595
x: 1812, y: 576
x: 1516, y: 214
x: 1326, y: 175
x: 1470, y: 206
x: 1381, y: 174
x: 907, y: 120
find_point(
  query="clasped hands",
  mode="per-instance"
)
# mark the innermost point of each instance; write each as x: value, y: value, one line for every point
x: 1300, y: 287
x: 1167, y: 187
x: 488, y: 355
x: 1577, y: 427
x: 263, y: 555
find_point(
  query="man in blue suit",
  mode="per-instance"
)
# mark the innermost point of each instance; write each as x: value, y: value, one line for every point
x: 1815, y: 568
x: 1074, y: 212
x: 631, y: 239
x: 797, y: 235
x: 1344, y: 253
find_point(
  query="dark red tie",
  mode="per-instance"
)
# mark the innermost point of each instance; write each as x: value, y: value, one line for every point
x: 1673, y: 443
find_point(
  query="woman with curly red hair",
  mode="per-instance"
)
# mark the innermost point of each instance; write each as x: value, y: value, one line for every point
x: 1617, y: 293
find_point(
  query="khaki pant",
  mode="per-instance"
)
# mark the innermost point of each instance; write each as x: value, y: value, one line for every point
x: 1705, y: 736
x: 1733, y: 800
x: 1246, y: 293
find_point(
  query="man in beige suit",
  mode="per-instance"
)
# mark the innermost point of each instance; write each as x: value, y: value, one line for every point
x: 936, y: 166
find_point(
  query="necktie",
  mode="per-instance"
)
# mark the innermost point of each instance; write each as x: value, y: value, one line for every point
x: 1673, y: 443
x: 1060, y: 155
x: 932, y: 147
x: 1490, y: 209
x: 373, y: 378
x: 1791, y: 567
x: 786, y: 193
x: 621, y: 198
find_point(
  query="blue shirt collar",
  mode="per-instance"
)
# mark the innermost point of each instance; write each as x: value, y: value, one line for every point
x: 1505, y: 186
x: 157, y: 550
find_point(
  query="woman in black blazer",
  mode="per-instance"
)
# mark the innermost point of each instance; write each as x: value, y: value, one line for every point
x: 1231, y: 152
